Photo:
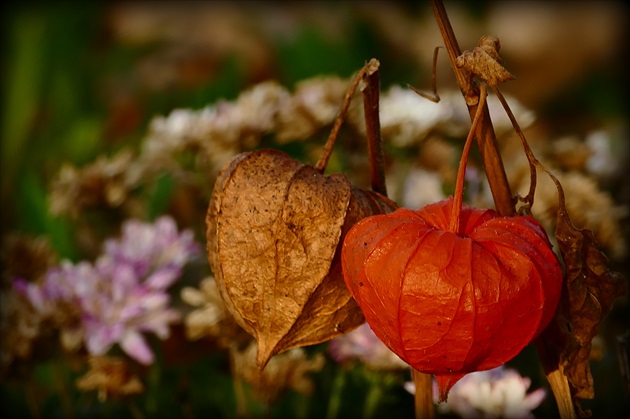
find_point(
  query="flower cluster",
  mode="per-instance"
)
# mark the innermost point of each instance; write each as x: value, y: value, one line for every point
x: 121, y: 295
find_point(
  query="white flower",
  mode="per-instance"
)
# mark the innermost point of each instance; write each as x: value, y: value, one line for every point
x: 496, y: 393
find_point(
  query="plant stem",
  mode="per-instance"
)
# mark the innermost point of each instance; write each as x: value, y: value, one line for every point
x: 557, y: 379
x: 486, y: 138
x: 423, y: 397
x: 373, y: 397
x: 334, y: 402
x: 239, y: 392
x: 458, y: 196
x: 370, y: 90
x: 321, y: 164
x: 64, y: 395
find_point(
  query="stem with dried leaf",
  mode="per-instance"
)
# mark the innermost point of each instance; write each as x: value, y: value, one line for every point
x: 486, y: 138
x: 499, y: 186
x: 556, y: 378
x: 551, y: 364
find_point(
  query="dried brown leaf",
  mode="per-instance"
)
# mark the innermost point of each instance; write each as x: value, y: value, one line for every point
x: 591, y: 290
x: 273, y: 227
x: 484, y: 62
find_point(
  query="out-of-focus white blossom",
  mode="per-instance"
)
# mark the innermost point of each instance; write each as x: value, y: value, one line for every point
x: 604, y: 162
x: 407, y: 118
x: 422, y: 187
x: 221, y: 130
x: 497, y: 393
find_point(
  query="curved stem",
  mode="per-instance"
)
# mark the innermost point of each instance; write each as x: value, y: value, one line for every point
x: 461, y: 171
x: 332, y: 137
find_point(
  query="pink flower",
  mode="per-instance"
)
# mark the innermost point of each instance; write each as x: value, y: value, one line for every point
x: 124, y: 293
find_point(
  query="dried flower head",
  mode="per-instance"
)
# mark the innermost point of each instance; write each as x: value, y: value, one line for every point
x: 26, y: 257
x: 20, y: 325
x: 407, y: 119
x: 589, y: 206
x: 314, y: 105
x: 103, y: 182
x: 109, y: 376
x: 286, y: 371
x: 220, y: 131
x: 210, y: 318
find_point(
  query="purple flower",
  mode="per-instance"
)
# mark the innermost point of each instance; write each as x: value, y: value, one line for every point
x: 152, y: 247
x: 124, y: 293
x: 496, y: 393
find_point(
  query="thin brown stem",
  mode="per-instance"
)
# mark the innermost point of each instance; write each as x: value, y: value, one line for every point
x: 458, y: 196
x: 486, y: 138
x: 436, y: 97
x: 423, y: 397
x: 370, y: 90
x: 332, y: 137
x: 530, y: 155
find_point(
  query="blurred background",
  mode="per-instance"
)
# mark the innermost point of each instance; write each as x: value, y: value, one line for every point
x: 83, y: 81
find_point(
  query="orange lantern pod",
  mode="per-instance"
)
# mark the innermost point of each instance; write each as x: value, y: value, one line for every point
x: 452, y: 302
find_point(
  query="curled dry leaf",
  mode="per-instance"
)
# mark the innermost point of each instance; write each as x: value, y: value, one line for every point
x: 484, y: 61
x: 591, y: 289
x: 274, y: 226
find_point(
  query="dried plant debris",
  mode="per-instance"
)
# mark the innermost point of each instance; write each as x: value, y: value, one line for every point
x: 286, y: 371
x: 105, y: 182
x: 110, y: 377
x: 588, y: 205
x: 217, y: 133
x: 210, y: 318
x: 20, y: 326
x: 591, y: 290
